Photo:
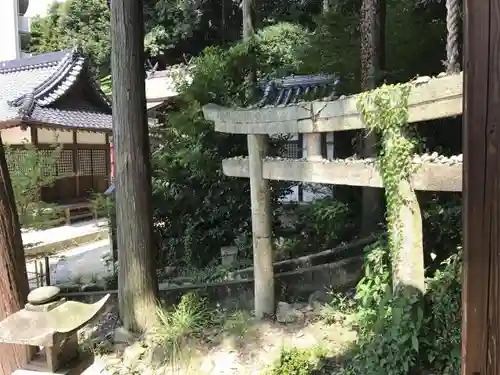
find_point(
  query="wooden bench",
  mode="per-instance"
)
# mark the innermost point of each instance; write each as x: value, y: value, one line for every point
x: 89, y: 210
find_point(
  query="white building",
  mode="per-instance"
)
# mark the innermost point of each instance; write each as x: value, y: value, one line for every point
x: 15, y: 25
x: 40, y: 7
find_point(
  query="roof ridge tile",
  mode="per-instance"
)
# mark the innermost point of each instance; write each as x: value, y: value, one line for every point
x: 44, y: 60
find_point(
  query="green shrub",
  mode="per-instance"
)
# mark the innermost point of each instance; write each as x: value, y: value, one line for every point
x: 442, y: 227
x: 395, y: 337
x: 30, y: 171
x: 441, y: 334
x: 374, y: 289
x: 334, y: 47
x: 335, y: 44
x: 298, y: 362
x: 320, y: 225
x: 103, y: 204
x: 187, y: 319
x: 329, y: 220
x: 197, y: 208
x: 238, y: 323
x: 280, y: 49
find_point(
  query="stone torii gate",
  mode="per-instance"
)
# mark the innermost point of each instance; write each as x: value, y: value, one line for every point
x: 430, y: 98
x: 434, y: 99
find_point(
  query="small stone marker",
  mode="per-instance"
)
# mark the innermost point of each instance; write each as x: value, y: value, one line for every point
x: 52, y: 323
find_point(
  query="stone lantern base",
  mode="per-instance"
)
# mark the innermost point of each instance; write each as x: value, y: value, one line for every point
x: 38, y: 366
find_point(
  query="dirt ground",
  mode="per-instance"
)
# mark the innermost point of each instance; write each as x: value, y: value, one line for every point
x: 245, y: 349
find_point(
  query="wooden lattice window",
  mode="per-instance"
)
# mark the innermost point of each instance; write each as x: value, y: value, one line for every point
x: 65, y: 163
x: 99, y: 163
x: 14, y: 160
x: 292, y: 150
x: 85, y: 162
x: 48, y: 162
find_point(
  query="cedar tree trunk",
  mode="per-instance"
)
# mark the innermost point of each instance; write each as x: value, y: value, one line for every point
x: 137, y: 281
x: 372, y: 63
x: 14, y: 282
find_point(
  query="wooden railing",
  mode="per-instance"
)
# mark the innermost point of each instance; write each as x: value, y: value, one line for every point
x: 40, y: 276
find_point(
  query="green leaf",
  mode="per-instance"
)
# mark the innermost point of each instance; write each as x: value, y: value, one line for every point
x: 414, y: 342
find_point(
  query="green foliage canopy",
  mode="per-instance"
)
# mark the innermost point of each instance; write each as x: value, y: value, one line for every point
x: 75, y: 22
x: 197, y: 208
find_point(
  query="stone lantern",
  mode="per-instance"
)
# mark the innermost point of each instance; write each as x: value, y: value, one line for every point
x: 50, y: 323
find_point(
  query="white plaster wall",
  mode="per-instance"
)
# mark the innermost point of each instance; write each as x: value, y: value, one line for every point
x: 91, y: 138
x: 16, y: 136
x: 53, y: 136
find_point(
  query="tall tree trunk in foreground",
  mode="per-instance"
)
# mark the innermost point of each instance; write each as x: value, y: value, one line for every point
x: 13, y: 280
x: 248, y: 29
x: 326, y: 6
x: 261, y: 206
x: 372, y: 63
x: 137, y: 281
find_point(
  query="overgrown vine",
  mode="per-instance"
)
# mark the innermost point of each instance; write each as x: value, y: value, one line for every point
x: 395, y: 337
x: 389, y: 341
x: 385, y: 111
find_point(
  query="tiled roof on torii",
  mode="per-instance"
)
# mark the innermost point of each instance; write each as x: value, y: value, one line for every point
x: 54, y: 90
x: 294, y: 89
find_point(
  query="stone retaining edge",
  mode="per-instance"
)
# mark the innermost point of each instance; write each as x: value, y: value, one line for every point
x: 54, y: 247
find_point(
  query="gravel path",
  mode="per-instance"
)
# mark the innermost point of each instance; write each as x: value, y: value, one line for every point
x: 80, y: 263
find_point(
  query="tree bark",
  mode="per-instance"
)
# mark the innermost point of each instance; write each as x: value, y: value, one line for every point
x: 14, y: 282
x: 248, y: 29
x: 326, y: 6
x: 372, y: 63
x: 137, y: 281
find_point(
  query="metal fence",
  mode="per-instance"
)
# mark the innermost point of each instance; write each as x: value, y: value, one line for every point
x: 39, y: 272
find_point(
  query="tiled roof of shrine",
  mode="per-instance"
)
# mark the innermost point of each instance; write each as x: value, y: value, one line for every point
x: 56, y: 90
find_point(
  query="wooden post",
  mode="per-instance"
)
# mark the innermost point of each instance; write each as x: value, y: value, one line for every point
x: 261, y: 227
x: 47, y: 271
x: 42, y: 271
x: 481, y: 193
x: 76, y: 172
x: 37, y: 275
